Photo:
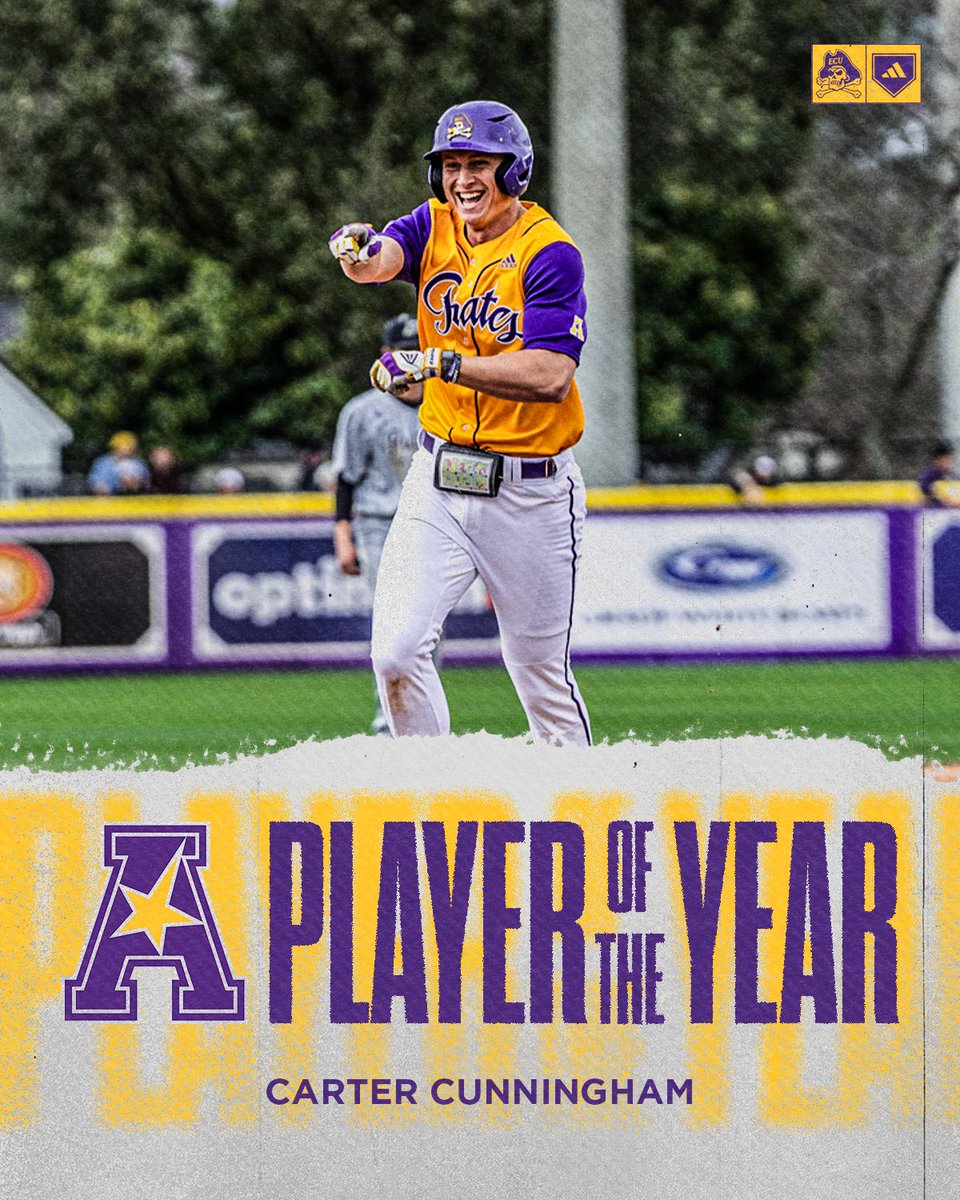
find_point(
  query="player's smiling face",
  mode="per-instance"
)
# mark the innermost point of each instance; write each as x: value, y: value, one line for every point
x: 470, y: 185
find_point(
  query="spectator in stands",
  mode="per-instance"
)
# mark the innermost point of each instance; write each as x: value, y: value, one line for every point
x: 749, y: 483
x: 166, y: 477
x: 938, y: 470
x: 229, y: 481
x: 120, y: 472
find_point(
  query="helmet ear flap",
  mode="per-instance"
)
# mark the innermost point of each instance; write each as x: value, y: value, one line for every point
x: 501, y: 174
x: 435, y: 178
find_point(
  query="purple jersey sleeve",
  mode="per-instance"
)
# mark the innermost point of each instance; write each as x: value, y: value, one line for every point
x: 412, y: 232
x: 554, y: 304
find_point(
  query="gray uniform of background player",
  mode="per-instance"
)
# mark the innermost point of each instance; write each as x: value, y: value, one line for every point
x: 375, y: 441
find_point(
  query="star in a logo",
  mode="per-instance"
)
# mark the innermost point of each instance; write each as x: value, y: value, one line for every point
x: 152, y: 911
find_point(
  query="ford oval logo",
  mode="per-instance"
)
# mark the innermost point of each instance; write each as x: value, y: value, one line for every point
x: 720, y: 565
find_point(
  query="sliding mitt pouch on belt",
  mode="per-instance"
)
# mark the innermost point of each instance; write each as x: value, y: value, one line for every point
x: 471, y: 472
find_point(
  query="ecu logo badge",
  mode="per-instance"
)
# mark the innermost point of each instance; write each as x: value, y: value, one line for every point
x: 865, y: 74
x: 839, y: 74
x: 460, y: 127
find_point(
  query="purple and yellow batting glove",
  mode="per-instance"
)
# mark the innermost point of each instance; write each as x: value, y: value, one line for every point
x: 396, y: 370
x: 355, y: 243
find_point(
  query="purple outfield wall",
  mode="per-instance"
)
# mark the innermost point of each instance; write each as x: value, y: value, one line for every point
x: 186, y: 584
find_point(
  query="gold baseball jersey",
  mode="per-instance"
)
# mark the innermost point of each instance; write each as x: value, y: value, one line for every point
x: 522, y: 290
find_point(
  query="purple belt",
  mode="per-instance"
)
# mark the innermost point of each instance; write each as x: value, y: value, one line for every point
x: 530, y: 468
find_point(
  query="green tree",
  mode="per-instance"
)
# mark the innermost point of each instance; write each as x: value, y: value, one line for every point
x: 99, y: 110
x: 262, y: 127
x: 142, y: 333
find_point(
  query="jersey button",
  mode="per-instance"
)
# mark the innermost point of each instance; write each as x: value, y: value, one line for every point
x: 465, y: 428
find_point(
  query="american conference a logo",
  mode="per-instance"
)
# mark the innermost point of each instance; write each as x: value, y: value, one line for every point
x: 155, y: 912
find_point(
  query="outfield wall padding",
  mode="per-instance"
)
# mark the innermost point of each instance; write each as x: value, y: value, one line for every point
x: 214, y: 586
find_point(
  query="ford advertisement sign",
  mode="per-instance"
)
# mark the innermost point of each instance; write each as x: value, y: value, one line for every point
x: 734, y: 583
x: 721, y: 565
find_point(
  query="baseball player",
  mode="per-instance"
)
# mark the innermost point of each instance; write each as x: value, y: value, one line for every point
x: 375, y: 441
x: 494, y: 490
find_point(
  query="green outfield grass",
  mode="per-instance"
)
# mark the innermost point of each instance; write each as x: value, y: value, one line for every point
x: 904, y: 708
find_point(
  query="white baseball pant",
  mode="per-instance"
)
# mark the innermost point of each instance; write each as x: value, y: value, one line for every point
x: 525, y: 545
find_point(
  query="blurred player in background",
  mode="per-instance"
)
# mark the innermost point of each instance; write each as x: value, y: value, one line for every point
x: 494, y: 490
x: 375, y: 442
x: 937, y: 471
x: 121, y: 471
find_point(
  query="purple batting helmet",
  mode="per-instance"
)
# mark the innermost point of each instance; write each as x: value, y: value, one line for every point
x: 490, y: 128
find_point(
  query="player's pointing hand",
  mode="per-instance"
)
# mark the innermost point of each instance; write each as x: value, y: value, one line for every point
x: 355, y: 243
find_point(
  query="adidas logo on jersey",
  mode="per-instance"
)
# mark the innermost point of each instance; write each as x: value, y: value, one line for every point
x: 508, y: 262
x: 895, y: 72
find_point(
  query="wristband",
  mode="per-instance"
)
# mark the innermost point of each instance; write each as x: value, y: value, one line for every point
x: 344, y: 505
x: 450, y: 363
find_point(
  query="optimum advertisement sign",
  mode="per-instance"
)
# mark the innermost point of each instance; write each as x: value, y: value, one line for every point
x: 274, y: 590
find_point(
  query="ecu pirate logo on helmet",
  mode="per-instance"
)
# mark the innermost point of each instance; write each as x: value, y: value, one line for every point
x: 459, y: 127
x: 839, y: 74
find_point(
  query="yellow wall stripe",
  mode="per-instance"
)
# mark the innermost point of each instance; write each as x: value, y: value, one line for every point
x: 315, y: 504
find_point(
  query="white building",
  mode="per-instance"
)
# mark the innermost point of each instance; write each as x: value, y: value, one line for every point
x: 32, y: 438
